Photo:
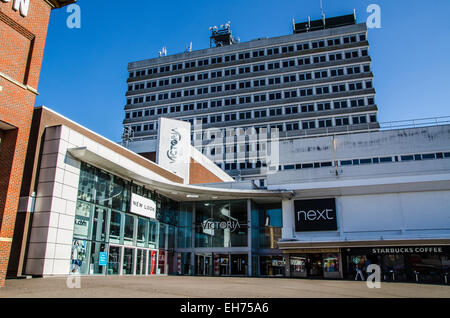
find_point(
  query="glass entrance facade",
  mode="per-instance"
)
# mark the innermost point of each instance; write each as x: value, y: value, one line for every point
x: 212, y: 238
x: 107, y: 238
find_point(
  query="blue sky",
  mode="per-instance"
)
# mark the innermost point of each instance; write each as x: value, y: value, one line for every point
x: 84, y: 71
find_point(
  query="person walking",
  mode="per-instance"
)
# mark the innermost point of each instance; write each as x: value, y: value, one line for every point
x: 359, y: 271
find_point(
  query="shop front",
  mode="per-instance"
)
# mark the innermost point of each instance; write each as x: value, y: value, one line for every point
x: 424, y: 264
x: 314, y: 263
x: 116, y: 230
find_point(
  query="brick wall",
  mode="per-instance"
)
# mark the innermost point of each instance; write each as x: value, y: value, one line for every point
x: 199, y: 174
x: 21, y: 51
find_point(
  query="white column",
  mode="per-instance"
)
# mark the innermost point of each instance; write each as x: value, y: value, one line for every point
x: 288, y: 230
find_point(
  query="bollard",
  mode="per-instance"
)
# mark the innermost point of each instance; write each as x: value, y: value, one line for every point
x: 417, y: 276
x: 445, y: 275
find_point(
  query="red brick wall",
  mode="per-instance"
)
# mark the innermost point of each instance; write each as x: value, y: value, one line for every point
x: 198, y: 174
x: 21, y: 51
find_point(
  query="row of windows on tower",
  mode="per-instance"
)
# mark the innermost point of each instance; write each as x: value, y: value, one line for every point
x: 273, y: 95
x: 282, y: 127
x: 299, y: 47
x: 254, y: 114
x: 250, y: 69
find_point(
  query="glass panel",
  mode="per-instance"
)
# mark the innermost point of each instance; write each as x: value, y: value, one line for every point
x: 128, y: 261
x: 120, y: 194
x: 86, y: 188
x: 161, y: 262
x: 222, y: 213
x: 114, y: 260
x: 114, y: 228
x: 221, y: 264
x: 95, y: 267
x: 393, y: 267
x: 185, y: 226
x: 82, y: 220
x: 79, y: 260
x: 103, y: 189
x: 429, y: 267
x: 141, y: 261
x: 186, y: 268
x: 162, y: 235
x: 297, y: 264
x: 129, y: 227
x: 331, y: 263
x: 142, y: 232
x: 272, y: 265
x: 239, y: 264
x: 203, y: 235
x: 153, y: 235
x: 314, y: 265
x: 99, y: 224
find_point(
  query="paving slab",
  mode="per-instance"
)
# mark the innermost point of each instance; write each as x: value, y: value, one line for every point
x: 210, y: 287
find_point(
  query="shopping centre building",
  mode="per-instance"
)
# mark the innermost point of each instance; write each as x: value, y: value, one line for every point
x: 332, y: 202
x: 97, y: 208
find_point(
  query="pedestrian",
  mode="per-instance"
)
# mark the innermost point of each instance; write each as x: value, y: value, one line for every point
x: 359, y: 271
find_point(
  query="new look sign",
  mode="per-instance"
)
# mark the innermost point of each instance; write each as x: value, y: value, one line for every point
x: 142, y: 206
x: 315, y: 215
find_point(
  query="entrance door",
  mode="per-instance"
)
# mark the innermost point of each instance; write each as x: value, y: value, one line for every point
x: 314, y: 265
x: 114, y: 260
x: 239, y: 265
x: 141, y: 262
x: 204, y: 263
x: 128, y: 261
x: 221, y: 265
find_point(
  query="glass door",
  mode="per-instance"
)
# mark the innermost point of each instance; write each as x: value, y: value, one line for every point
x: 97, y: 265
x: 221, y: 265
x: 128, y: 261
x: 141, y: 261
x: 239, y: 264
x: 204, y: 265
x: 114, y: 260
x: 208, y: 264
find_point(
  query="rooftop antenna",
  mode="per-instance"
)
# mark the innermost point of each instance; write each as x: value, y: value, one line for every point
x: 322, y: 12
x: 221, y: 36
x: 163, y: 52
x: 189, y: 47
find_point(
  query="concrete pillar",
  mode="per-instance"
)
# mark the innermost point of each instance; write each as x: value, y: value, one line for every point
x: 249, y: 237
x: 288, y: 230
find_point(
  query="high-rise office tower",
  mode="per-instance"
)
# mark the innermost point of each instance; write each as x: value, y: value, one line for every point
x: 315, y: 81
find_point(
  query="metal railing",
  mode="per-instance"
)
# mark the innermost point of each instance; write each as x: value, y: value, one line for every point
x: 415, y: 123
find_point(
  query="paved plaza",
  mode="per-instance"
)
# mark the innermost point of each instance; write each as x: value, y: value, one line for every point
x: 211, y: 287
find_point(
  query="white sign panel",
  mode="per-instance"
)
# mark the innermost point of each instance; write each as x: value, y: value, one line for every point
x: 142, y: 206
x: 174, y: 146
